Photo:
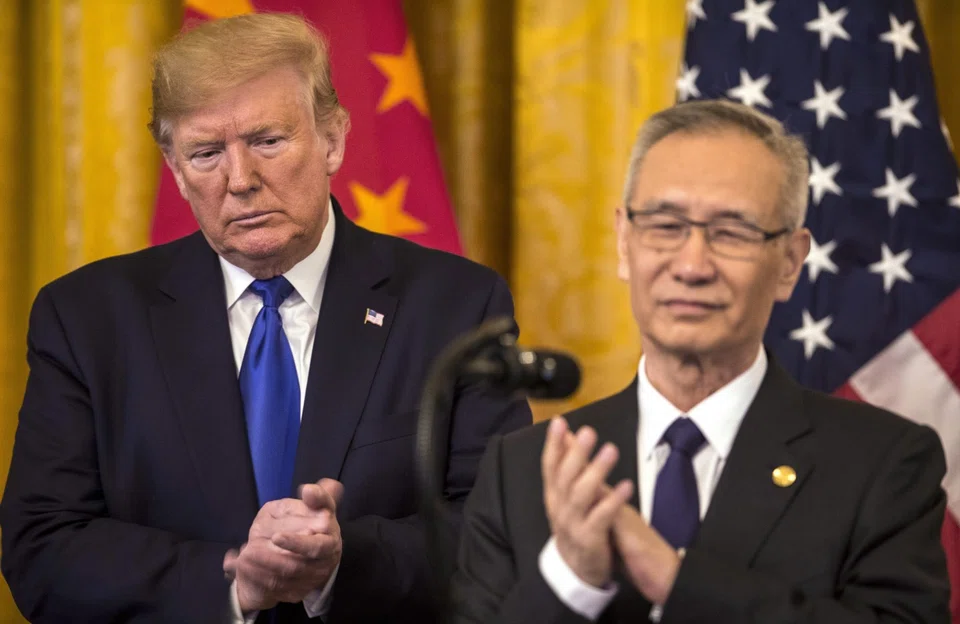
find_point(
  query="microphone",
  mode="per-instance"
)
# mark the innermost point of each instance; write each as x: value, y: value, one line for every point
x: 488, y: 354
x: 539, y: 374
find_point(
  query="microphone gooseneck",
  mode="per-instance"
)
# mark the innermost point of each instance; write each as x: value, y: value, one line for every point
x: 488, y: 355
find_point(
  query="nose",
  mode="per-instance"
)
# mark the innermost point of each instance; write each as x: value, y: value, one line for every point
x: 693, y: 262
x: 243, y: 176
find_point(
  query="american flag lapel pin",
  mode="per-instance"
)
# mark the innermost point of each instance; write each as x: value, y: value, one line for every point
x: 372, y: 316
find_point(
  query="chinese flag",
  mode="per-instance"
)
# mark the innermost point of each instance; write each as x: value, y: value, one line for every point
x: 390, y: 181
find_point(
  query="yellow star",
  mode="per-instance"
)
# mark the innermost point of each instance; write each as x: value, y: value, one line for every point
x: 384, y: 213
x: 404, y: 81
x: 217, y: 9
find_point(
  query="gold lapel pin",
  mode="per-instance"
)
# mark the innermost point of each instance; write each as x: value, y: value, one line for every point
x: 784, y: 476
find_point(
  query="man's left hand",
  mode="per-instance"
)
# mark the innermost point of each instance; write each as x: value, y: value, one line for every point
x: 651, y: 563
x: 294, y: 547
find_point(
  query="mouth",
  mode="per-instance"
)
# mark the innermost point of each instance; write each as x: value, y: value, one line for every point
x: 253, y: 218
x: 687, y: 307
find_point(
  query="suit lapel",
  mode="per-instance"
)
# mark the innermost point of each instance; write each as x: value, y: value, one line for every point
x: 618, y: 422
x: 747, y: 503
x: 346, y: 350
x: 192, y: 335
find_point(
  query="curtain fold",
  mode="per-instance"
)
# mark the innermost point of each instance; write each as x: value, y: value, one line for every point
x: 588, y: 72
x: 94, y: 164
x: 14, y: 213
x: 941, y: 23
x: 466, y: 55
x: 77, y: 164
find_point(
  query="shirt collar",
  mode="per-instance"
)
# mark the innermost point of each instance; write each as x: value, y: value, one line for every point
x: 307, y: 276
x: 718, y: 416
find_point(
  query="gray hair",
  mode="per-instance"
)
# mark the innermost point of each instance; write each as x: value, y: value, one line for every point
x: 710, y: 116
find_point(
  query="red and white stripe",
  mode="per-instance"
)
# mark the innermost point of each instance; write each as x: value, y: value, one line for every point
x: 918, y: 376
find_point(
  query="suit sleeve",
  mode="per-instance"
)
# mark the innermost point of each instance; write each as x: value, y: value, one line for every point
x: 64, y: 559
x: 388, y: 556
x: 487, y: 587
x: 895, y: 570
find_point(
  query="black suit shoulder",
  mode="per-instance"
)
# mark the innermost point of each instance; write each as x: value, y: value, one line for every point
x: 140, y: 270
x: 529, y: 438
x: 414, y: 261
x: 846, y: 417
x: 852, y: 431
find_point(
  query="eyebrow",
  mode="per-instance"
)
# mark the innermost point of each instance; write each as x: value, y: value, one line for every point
x: 658, y: 206
x: 254, y: 132
x: 268, y: 128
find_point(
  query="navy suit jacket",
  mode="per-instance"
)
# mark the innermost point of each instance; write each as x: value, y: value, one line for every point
x: 854, y: 540
x: 131, y: 474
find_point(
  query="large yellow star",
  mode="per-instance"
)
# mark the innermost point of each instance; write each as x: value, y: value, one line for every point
x: 384, y: 213
x: 404, y: 82
x: 217, y: 9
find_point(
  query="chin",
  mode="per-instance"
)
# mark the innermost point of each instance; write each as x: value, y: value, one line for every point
x: 263, y: 242
x: 691, y: 348
x: 262, y: 247
x: 688, y: 340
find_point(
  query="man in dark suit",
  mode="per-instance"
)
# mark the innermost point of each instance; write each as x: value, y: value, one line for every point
x: 722, y: 491
x: 177, y: 396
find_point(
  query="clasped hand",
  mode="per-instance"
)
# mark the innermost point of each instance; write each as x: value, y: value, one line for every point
x: 589, y: 519
x: 292, y: 549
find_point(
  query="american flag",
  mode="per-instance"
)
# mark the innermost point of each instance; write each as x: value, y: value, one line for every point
x: 374, y: 317
x: 876, y: 313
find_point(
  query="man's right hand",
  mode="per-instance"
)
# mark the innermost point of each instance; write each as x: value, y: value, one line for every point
x: 580, y: 507
x: 267, y: 572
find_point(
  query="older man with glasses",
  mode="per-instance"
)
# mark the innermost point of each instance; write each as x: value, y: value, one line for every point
x: 722, y: 491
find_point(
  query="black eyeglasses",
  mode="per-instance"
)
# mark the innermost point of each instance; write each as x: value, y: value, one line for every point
x: 733, y: 238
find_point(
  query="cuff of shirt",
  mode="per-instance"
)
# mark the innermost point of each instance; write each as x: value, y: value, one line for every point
x: 584, y: 599
x: 237, y: 614
x: 317, y: 602
x: 656, y: 611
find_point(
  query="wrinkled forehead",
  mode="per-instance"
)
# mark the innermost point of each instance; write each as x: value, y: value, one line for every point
x: 710, y: 174
x: 271, y: 102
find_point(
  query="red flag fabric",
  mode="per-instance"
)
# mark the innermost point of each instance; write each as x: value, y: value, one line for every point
x: 391, y: 180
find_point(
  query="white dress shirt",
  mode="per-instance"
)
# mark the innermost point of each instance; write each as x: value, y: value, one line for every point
x: 299, y: 313
x: 718, y: 416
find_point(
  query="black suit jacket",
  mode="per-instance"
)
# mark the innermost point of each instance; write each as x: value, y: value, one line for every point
x: 131, y: 472
x: 855, y: 539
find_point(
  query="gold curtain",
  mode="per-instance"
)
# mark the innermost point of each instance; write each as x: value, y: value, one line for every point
x: 534, y: 103
x: 588, y: 73
x: 13, y: 220
x: 941, y: 21
x: 78, y: 168
x: 466, y: 54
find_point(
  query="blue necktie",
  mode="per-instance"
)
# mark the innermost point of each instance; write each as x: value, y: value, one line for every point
x: 676, y: 501
x: 271, y: 394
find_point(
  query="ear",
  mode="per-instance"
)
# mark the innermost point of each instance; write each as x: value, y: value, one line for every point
x: 797, y: 248
x: 336, y: 146
x: 622, y: 226
x: 171, y: 161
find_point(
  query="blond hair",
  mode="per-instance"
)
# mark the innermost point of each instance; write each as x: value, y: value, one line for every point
x: 711, y: 116
x: 203, y: 62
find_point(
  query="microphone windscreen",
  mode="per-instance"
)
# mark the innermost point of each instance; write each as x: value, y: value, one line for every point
x: 559, y: 373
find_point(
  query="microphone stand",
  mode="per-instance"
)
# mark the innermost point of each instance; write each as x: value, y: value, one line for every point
x: 461, y: 357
